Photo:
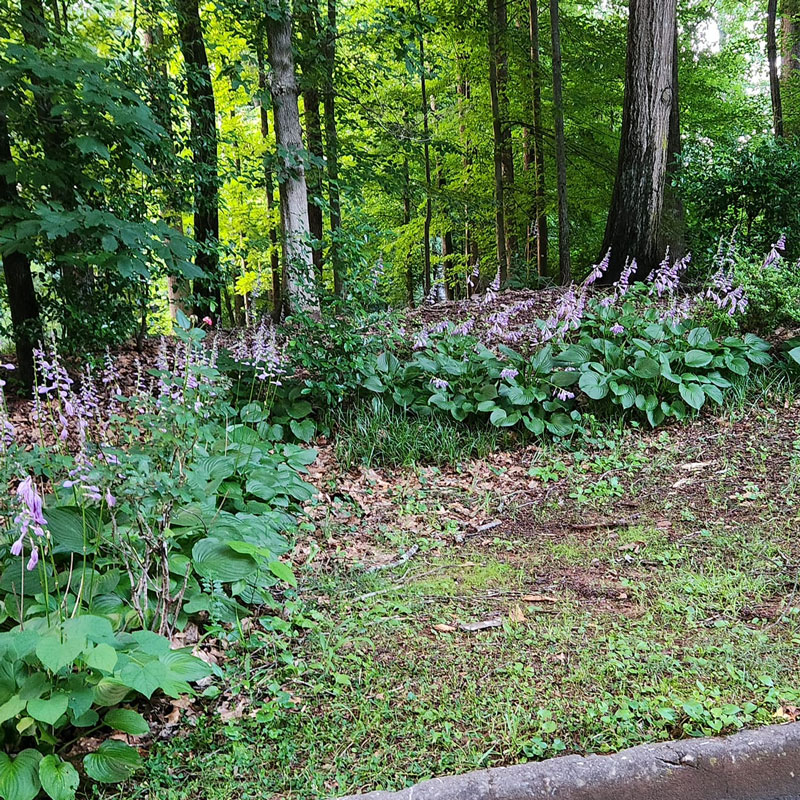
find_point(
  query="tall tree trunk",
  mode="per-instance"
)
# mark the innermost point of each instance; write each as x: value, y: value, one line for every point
x: 506, y: 141
x: 537, y: 160
x: 310, y: 27
x: 332, y: 147
x: 407, y: 221
x: 298, y: 272
x: 269, y: 182
x: 22, y: 301
x: 497, y: 131
x: 673, y: 222
x: 790, y: 66
x: 152, y: 39
x: 564, y: 260
x: 471, y: 254
x: 203, y: 140
x: 426, y: 152
x: 633, y: 223
x: 772, y: 59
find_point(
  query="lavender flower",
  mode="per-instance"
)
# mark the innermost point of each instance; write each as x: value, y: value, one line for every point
x: 564, y: 395
x: 509, y: 373
x: 440, y: 384
x: 777, y: 251
x: 30, y: 520
x: 598, y: 270
x: 617, y: 329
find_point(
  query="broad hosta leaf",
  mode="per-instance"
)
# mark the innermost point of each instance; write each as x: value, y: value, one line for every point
x: 693, y: 394
x: 699, y: 336
x: 49, y: 710
x: 103, y: 657
x: 646, y: 367
x: 113, y: 762
x: 593, y: 385
x: 304, y: 430
x: 11, y: 708
x: 213, y: 559
x: 59, y: 778
x: 72, y: 531
x: 560, y: 425
x: 127, y: 721
x: 794, y: 354
x: 19, y: 777
x: 184, y: 666
x: 697, y: 358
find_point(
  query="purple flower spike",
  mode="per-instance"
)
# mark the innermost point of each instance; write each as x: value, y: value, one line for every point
x: 617, y: 329
x: 777, y: 252
x: 509, y: 373
x: 439, y: 383
x: 598, y: 270
x: 33, y: 560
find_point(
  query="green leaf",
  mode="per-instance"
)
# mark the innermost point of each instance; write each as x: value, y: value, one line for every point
x: 593, y: 385
x: 127, y: 721
x: 109, y: 243
x: 19, y: 777
x: 714, y: 392
x: 49, y: 711
x: 697, y: 358
x: 693, y: 394
x: 55, y: 654
x: 560, y: 425
x: 59, y: 778
x: 184, y: 666
x: 373, y: 384
x: 299, y: 409
x: 112, y: 762
x: 497, y: 416
x: 794, y: 354
x: 11, y: 708
x: 646, y: 367
x: 283, y: 572
x: 103, y: 657
x: 304, y: 430
x: 215, y: 560
x: 699, y: 336
x: 737, y: 364
x: 72, y: 532
x: 110, y: 691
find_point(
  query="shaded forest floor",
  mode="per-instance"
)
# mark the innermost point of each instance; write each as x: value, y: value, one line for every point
x: 531, y: 603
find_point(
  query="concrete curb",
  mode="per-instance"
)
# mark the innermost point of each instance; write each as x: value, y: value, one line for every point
x: 762, y: 764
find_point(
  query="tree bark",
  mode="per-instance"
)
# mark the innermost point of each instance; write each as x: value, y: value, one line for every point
x: 673, y: 221
x: 426, y: 152
x: 790, y: 66
x: 309, y: 26
x: 298, y: 273
x: 203, y: 140
x: 269, y: 184
x: 772, y: 59
x: 536, y: 158
x: 637, y: 202
x: 497, y: 131
x: 22, y: 301
x: 406, y: 221
x: 332, y: 147
x: 564, y: 261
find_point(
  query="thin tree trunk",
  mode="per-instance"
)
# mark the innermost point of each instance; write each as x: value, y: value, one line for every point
x: 406, y: 221
x: 298, y: 273
x: 22, y: 300
x: 152, y: 39
x: 506, y: 141
x: 332, y: 147
x: 772, y: 59
x: 634, y: 220
x: 203, y: 139
x: 540, y: 215
x: 269, y: 183
x: 426, y: 151
x: 497, y: 130
x: 564, y: 262
x: 310, y: 25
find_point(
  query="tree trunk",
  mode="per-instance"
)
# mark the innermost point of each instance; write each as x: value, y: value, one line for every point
x: 537, y: 161
x: 406, y: 221
x: 633, y: 223
x: 203, y: 141
x: 309, y: 25
x: 298, y: 272
x: 22, y: 301
x: 426, y: 152
x: 564, y: 262
x: 269, y: 184
x: 497, y: 130
x: 772, y: 59
x: 332, y: 147
x: 506, y: 142
x: 673, y: 222
x: 790, y: 66
x: 152, y: 39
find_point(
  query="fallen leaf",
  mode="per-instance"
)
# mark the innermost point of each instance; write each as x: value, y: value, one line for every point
x: 444, y: 628
x: 696, y: 466
x: 635, y: 546
x: 517, y: 614
x: 682, y: 482
x: 539, y: 598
